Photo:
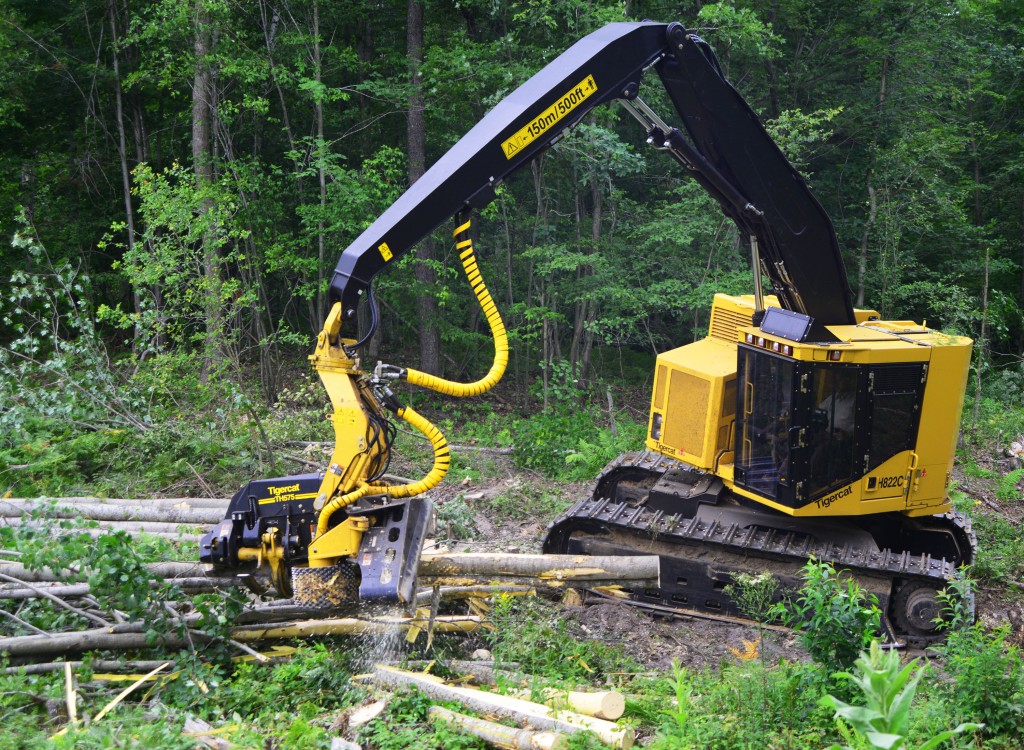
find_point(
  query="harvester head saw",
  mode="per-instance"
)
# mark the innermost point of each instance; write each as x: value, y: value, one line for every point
x: 371, y: 554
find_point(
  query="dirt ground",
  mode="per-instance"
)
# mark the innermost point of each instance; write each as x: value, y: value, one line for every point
x: 653, y: 641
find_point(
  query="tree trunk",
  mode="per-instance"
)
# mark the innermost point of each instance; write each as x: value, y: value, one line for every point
x: 426, y: 304
x: 516, y: 710
x: 862, y: 263
x: 321, y: 146
x: 499, y: 735
x: 9, y: 509
x: 202, y: 158
x: 581, y: 568
x: 122, y: 153
x: 981, y: 347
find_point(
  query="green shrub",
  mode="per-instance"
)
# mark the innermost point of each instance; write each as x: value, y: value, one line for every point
x: 1007, y: 490
x: 987, y: 672
x: 835, y: 617
x: 405, y: 726
x: 455, y: 519
x: 1000, y: 555
x: 742, y: 707
x: 572, y: 444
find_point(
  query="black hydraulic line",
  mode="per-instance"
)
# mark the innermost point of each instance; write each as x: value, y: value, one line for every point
x: 595, y: 70
x: 726, y: 149
x: 795, y: 235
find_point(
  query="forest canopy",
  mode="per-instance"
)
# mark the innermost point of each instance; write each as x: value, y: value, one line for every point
x: 189, y: 170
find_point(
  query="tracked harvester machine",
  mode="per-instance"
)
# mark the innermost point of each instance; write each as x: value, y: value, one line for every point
x: 798, y: 427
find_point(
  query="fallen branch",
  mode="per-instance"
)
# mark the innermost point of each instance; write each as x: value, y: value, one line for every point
x: 166, y: 570
x: 156, y: 502
x: 27, y: 625
x: 479, y: 672
x: 96, y: 665
x: 132, y: 636
x: 128, y: 691
x: 132, y: 527
x: 424, y: 598
x: 482, y: 449
x: 352, y: 626
x: 107, y: 527
x: 59, y: 602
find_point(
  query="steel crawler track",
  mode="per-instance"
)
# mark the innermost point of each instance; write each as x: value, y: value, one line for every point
x: 700, y: 553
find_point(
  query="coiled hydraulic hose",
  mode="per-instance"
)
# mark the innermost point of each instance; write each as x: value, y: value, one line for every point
x: 468, y: 257
x: 442, y: 460
x: 442, y: 456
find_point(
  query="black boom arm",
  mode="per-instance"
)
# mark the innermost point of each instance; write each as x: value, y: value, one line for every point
x: 726, y: 148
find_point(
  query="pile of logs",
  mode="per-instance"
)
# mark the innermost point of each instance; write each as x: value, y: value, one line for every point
x: 443, y: 576
x: 181, y: 519
x: 535, y: 725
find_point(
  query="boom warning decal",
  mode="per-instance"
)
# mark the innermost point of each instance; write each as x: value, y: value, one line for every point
x: 540, y: 124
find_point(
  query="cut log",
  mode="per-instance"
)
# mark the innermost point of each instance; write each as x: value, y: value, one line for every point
x: 155, y: 502
x: 479, y: 672
x: 106, y: 527
x: 423, y: 598
x: 608, y: 705
x: 352, y: 626
x: 555, y: 585
x: 499, y: 735
x: 167, y: 570
x: 148, y: 527
x: 99, y: 512
x: 96, y: 665
x: 576, y: 568
x: 515, y: 709
x: 79, y: 590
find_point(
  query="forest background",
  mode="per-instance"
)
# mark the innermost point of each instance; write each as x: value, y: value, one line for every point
x: 179, y: 177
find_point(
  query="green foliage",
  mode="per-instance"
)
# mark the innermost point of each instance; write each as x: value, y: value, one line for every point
x: 743, y: 706
x: 754, y: 594
x: 455, y: 519
x: 1001, y: 556
x: 835, y: 617
x: 987, y: 671
x: 572, y: 444
x: 316, y: 675
x: 1008, y: 490
x: 680, y: 713
x: 888, y: 691
x: 405, y: 726
x: 131, y: 726
x: 539, y: 637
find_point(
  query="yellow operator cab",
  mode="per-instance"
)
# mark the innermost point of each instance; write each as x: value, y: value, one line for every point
x: 866, y: 424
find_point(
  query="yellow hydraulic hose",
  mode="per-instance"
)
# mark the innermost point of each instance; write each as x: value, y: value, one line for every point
x: 451, y: 388
x: 442, y: 460
x: 442, y: 456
